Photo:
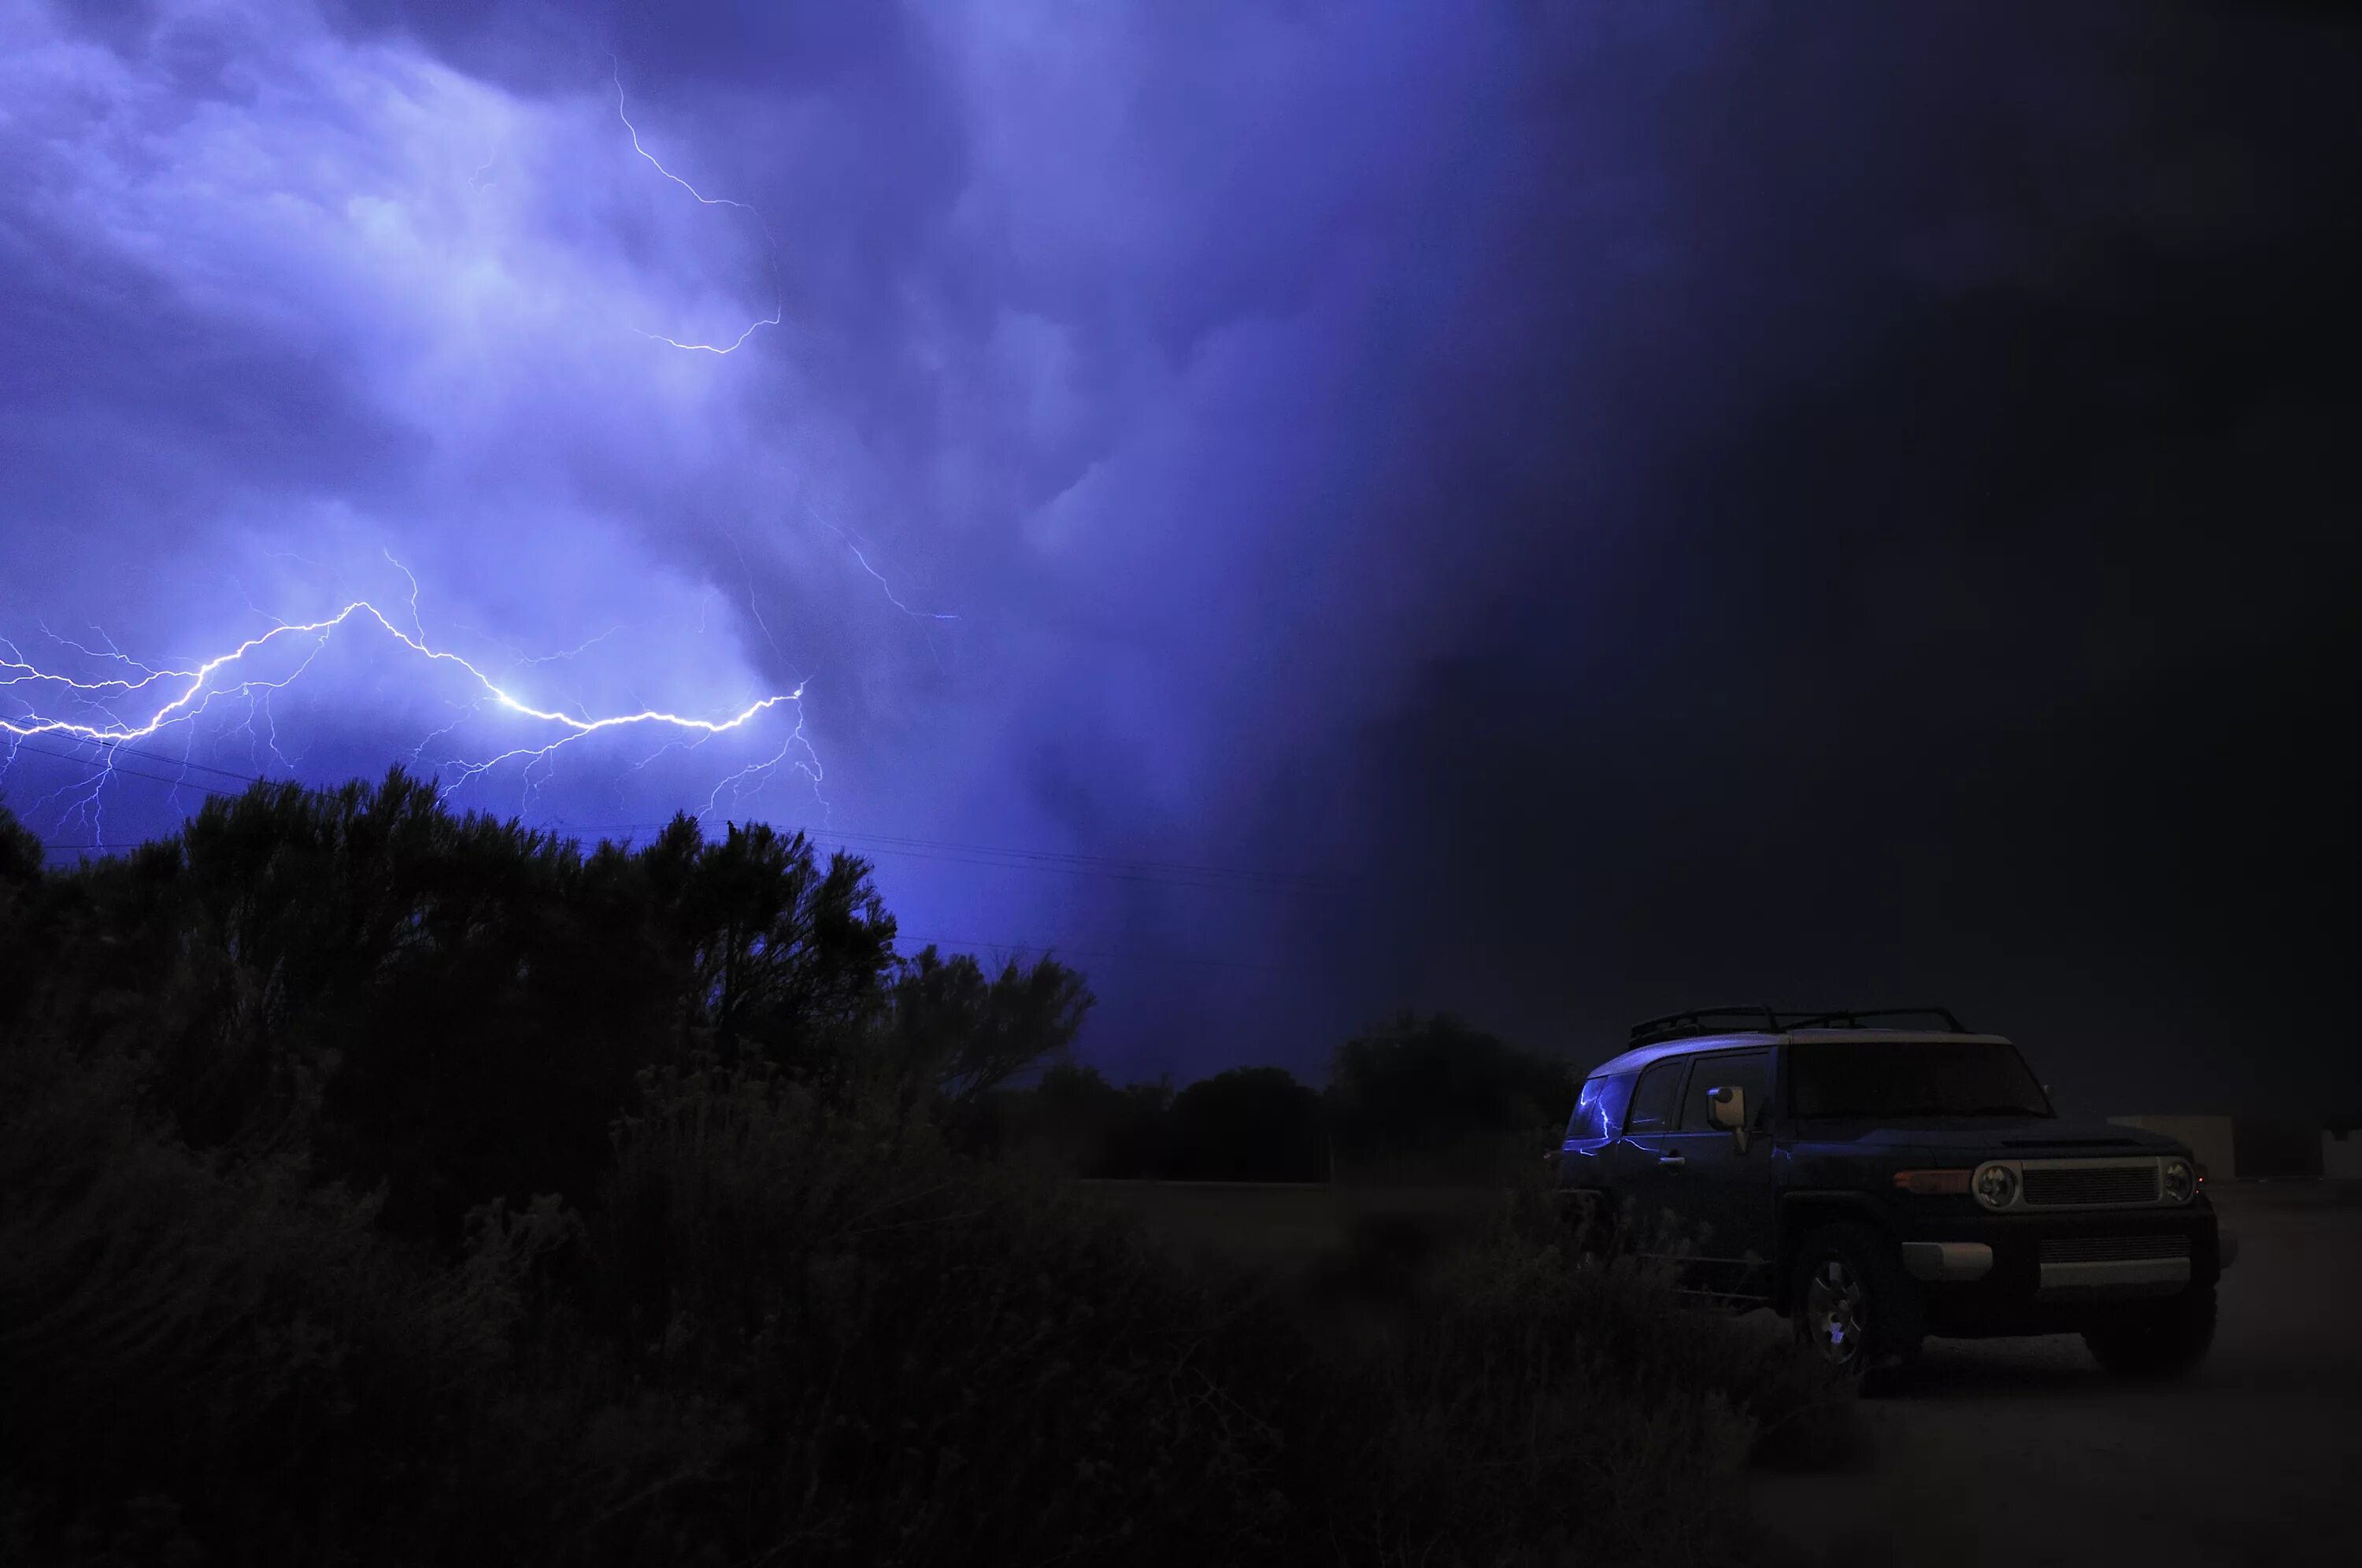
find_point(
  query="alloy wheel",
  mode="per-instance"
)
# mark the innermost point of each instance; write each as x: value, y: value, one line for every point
x: 1836, y: 1312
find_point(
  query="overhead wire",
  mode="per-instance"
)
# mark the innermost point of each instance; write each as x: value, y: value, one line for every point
x: 978, y: 854
x: 1113, y: 868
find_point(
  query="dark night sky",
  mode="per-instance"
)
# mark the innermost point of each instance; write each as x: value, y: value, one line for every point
x: 1622, y: 504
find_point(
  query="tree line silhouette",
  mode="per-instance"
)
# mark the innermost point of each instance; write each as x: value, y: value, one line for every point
x: 456, y: 1006
x: 1421, y: 1099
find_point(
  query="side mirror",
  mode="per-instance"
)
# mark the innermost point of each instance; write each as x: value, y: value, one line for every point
x: 1725, y: 1108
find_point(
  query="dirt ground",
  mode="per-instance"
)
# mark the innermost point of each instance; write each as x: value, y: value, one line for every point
x: 2022, y: 1451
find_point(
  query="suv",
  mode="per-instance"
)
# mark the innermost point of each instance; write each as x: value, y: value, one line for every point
x: 1877, y: 1184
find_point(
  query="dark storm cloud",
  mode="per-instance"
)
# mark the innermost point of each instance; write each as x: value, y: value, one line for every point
x: 1992, y: 640
x: 1669, y: 497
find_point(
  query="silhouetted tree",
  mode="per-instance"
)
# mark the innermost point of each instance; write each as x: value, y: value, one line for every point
x: 1247, y: 1124
x: 20, y: 888
x: 771, y: 953
x: 1439, y: 1092
x: 1090, y: 1126
x: 956, y: 1037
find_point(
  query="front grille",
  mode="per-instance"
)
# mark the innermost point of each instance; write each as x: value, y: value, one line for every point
x: 2113, y: 1249
x: 2091, y: 1184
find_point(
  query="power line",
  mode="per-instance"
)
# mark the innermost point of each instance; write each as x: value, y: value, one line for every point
x: 951, y: 941
x: 996, y: 857
x: 114, y: 771
x: 1070, y: 857
x: 972, y: 943
x: 949, y: 852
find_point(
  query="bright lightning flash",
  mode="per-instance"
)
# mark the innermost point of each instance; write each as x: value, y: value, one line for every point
x: 164, y: 697
x: 770, y: 246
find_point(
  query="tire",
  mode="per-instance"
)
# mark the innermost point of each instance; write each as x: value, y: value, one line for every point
x: 1849, y: 1302
x: 2156, y: 1339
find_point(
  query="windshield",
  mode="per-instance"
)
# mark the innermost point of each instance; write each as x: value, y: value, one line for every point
x: 1887, y: 1078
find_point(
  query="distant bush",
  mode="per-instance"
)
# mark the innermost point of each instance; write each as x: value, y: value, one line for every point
x: 1246, y: 1124
x: 1428, y: 1100
x: 1076, y: 1122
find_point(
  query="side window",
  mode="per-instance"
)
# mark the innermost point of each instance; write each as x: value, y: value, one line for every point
x: 1600, y: 1109
x: 1653, y: 1100
x: 1748, y: 1071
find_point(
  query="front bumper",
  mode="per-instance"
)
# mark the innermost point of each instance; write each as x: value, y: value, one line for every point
x: 2052, y: 1272
x: 1947, y: 1261
x: 1956, y: 1263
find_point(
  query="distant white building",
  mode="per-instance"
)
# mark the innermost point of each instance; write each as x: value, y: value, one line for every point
x: 2208, y: 1137
x: 2260, y: 1148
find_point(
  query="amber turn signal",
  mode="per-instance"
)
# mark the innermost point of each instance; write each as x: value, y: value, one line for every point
x: 1953, y: 1182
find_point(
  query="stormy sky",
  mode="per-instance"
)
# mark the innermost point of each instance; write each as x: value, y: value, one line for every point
x: 1550, y: 510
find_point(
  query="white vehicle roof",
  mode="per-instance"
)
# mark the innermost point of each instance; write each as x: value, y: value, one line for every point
x: 1632, y: 1061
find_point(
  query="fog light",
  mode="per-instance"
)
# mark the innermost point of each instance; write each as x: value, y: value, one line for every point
x: 2181, y: 1181
x: 1995, y: 1186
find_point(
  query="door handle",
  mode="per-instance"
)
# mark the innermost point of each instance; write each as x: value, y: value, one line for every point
x: 1672, y: 1159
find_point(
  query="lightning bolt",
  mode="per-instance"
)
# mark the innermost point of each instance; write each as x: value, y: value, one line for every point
x: 158, y: 698
x: 770, y: 246
x: 889, y: 588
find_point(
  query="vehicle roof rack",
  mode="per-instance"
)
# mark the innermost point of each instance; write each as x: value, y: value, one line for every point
x: 1721, y: 1020
x: 1856, y: 1020
x: 1701, y: 1021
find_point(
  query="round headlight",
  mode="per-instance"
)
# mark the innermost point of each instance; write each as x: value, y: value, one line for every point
x: 1995, y: 1186
x: 2181, y: 1181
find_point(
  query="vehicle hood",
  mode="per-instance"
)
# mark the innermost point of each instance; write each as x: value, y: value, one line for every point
x: 1989, y: 1137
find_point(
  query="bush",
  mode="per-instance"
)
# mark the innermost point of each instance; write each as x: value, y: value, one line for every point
x: 1510, y: 1396
x: 1433, y: 1100
x: 929, y: 1352
x: 1246, y: 1124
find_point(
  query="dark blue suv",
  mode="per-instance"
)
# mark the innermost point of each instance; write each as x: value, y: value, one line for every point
x: 1882, y: 1176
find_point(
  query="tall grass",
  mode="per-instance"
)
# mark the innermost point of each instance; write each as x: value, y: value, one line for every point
x: 796, y: 1328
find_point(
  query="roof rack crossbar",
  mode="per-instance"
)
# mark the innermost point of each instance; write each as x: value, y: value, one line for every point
x: 1854, y: 1020
x: 1716, y: 1019
x: 1698, y: 1021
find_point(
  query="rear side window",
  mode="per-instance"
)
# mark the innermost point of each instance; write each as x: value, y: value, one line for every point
x: 1600, y: 1111
x: 1653, y: 1100
x: 1750, y: 1071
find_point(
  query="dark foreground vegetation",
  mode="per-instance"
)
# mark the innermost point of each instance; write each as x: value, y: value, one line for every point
x: 379, y: 1186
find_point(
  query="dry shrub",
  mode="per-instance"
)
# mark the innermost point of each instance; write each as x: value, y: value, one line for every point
x: 1511, y: 1397
x: 939, y: 1360
x: 796, y: 1328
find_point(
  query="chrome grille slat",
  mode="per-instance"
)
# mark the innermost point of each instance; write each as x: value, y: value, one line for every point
x: 2111, y: 1249
x: 2066, y: 1187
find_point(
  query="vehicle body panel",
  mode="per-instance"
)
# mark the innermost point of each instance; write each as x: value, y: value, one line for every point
x: 1795, y: 1174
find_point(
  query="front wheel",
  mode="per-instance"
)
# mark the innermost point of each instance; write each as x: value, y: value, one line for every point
x: 2156, y: 1339
x: 1852, y: 1304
